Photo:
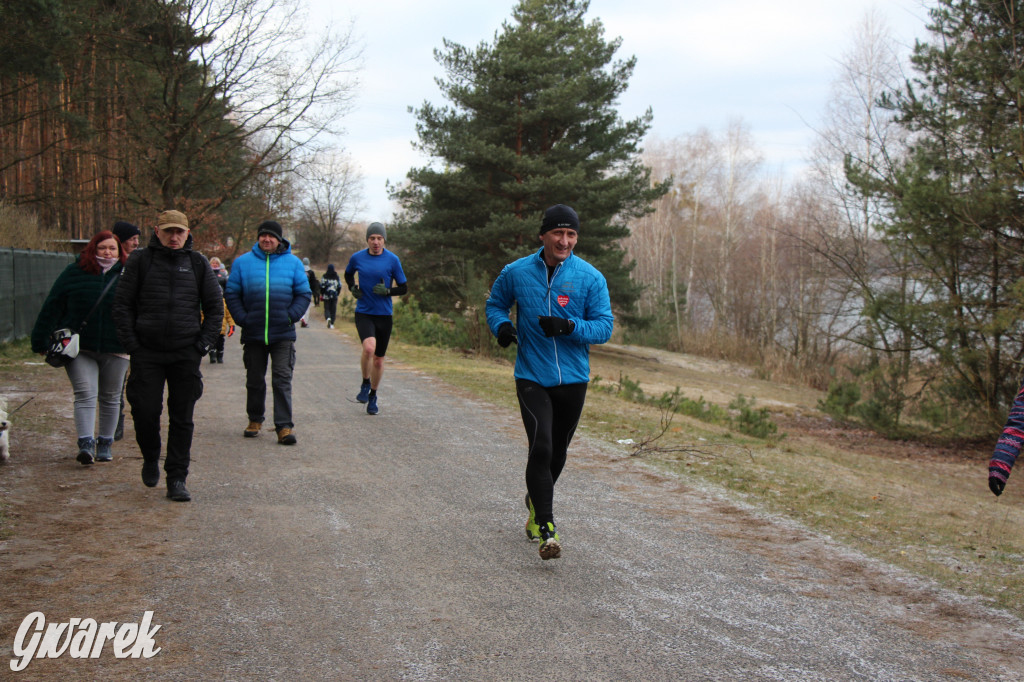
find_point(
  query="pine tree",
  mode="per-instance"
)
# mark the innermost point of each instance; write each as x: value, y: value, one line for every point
x: 531, y: 123
x: 955, y: 210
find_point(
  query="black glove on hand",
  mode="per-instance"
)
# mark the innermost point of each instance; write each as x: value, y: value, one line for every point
x: 381, y: 289
x: 555, y: 326
x: 357, y: 293
x: 996, y: 485
x: 507, y: 334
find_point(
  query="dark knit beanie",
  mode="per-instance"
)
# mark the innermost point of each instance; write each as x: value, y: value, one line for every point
x: 376, y: 228
x: 271, y: 227
x: 124, y: 230
x: 559, y: 216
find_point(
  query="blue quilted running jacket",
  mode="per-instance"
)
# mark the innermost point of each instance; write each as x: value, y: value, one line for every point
x: 267, y: 294
x: 577, y: 291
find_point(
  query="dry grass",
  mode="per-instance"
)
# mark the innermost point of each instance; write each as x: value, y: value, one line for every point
x: 20, y: 229
x: 923, y: 507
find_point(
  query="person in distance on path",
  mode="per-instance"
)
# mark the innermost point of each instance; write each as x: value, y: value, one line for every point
x: 267, y: 294
x: 377, y: 269
x: 128, y: 234
x: 562, y: 306
x: 330, y: 288
x: 227, y: 328
x: 314, y: 290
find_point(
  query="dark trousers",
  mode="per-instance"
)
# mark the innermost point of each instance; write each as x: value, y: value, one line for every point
x: 150, y: 370
x: 330, y: 309
x: 550, y: 416
x: 281, y: 356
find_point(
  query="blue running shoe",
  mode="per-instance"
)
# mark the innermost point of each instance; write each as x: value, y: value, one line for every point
x: 371, y: 405
x: 532, y: 529
x: 364, y: 393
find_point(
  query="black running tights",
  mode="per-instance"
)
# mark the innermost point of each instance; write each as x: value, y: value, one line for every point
x: 550, y: 416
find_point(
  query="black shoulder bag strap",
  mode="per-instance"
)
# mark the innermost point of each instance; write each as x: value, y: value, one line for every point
x: 112, y: 282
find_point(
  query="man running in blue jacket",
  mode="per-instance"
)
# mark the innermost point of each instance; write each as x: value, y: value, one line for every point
x: 377, y: 269
x: 562, y: 306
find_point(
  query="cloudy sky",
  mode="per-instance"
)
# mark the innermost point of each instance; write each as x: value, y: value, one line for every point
x: 768, y: 63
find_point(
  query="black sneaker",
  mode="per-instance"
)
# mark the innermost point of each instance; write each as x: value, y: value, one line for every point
x: 150, y: 472
x: 176, y: 491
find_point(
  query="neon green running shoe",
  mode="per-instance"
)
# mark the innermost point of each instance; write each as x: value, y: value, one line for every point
x: 549, y: 543
x: 532, y: 529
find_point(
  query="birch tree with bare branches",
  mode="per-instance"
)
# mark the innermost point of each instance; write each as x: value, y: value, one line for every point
x: 231, y: 75
x: 332, y: 198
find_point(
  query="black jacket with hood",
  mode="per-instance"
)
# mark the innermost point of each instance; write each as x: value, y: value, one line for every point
x: 160, y: 296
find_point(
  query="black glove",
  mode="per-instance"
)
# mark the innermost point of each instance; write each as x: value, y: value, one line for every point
x: 507, y: 334
x: 996, y: 485
x: 357, y: 293
x: 202, y: 348
x: 555, y: 326
x: 381, y: 289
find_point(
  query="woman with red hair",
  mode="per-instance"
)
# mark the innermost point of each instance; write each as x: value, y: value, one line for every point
x: 97, y: 373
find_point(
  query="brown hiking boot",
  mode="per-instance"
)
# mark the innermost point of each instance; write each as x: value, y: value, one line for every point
x: 285, y: 436
x: 252, y: 430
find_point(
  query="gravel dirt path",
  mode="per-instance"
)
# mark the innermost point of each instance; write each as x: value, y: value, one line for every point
x: 391, y: 547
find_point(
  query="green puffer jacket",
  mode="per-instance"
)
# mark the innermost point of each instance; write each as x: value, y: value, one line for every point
x: 70, y: 299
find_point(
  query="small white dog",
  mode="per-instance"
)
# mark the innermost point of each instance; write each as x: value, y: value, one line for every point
x: 5, y: 443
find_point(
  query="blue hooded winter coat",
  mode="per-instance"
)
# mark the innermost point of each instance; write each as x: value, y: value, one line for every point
x: 267, y: 294
x: 577, y: 291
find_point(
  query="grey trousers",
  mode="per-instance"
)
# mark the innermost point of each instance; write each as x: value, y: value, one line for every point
x: 97, y: 378
x: 281, y: 357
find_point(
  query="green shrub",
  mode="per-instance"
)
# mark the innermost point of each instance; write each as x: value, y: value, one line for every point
x: 413, y: 325
x: 751, y: 421
x: 841, y: 398
x: 466, y: 329
x: 877, y: 416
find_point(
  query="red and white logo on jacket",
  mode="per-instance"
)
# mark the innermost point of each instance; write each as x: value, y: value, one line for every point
x: 563, y: 300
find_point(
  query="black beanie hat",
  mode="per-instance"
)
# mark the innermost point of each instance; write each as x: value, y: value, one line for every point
x: 124, y: 230
x: 558, y: 216
x: 271, y: 227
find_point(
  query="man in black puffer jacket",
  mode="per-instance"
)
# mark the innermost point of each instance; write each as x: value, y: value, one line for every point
x: 157, y: 311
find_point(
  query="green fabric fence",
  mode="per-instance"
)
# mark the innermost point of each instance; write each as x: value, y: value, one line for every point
x: 25, y: 279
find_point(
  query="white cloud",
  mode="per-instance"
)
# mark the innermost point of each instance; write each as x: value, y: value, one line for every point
x: 768, y: 62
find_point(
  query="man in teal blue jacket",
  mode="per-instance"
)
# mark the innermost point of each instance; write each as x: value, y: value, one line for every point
x: 267, y: 293
x: 562, y: 306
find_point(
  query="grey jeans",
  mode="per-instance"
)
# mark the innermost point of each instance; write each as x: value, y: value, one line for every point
x: 281, y: 356
x: 97, y: 378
